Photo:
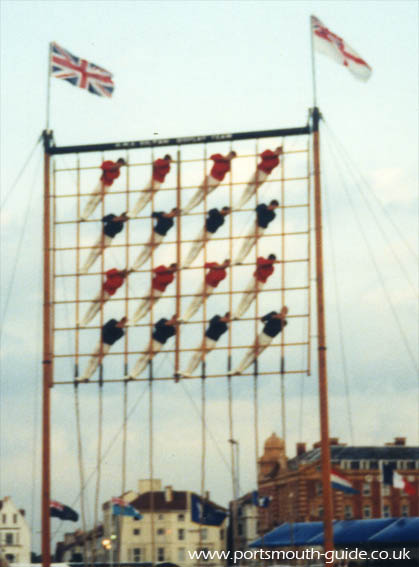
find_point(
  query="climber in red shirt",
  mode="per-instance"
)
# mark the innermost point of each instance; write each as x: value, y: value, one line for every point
x: 114, y: 280
x: 264, y: 270
x: 161, y: 168
x: 270, y: 160
x: 222, y: 164
x: 110, y: 172
x: 163, y: 276
x: 217, y: 273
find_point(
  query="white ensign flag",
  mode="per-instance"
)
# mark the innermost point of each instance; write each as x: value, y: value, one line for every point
x: 335, y: 47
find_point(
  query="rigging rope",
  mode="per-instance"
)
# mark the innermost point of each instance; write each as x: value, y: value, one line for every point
x: 81, y: 470
x: 19, y: 175
x: 98, y: 466
x: 339, y: 315
x: 374, y: 262
x: 350, y: 163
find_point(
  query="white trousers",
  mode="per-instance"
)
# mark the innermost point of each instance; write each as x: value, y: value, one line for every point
x: 142, y: 362
x: 196, y: 247
x: 260, y: 344
x: 146, y: 304
x: 94, y: 361
x: 103, y: 242
x: 248, y: 297
x: 256, y: 181
x: 144, y: 198
x: 207, y: 346
x: 94, y: 308
x: 197, y: 301
x: 145, y: 254
x: 96, y: 197
x: 254, y: 233
x: 208, y: 186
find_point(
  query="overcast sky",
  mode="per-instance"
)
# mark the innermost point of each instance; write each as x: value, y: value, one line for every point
x: 185, y: 68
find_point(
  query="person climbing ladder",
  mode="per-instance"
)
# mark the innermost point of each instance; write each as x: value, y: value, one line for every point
x: 110, y: 172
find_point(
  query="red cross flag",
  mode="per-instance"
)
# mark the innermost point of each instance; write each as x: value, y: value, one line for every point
x: 335, y: 47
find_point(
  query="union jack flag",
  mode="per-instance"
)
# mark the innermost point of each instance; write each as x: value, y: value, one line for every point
x: 335, y: 47
x: 79, y: 72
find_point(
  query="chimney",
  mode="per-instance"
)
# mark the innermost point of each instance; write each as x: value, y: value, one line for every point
x: 22, y: 511
x: 400, y: 441
x: 301, y: 449
x: 334, y: 441
x: 168, y: 493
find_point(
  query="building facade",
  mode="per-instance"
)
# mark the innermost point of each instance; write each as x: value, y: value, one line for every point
x: 243, y: 526
x: 295, y: 485
x: 15, y: 536
x: 166, y: 528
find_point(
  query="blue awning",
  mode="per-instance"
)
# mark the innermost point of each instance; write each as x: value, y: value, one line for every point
x: 404, y: 530
x: 378, y: 530
x: 289, y: 534
x: 354, y: 531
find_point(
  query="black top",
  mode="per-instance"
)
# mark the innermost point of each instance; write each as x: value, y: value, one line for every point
x: 273, y: 326
x: 214, y: 220
x: 111, y: 228
x: 162, y: 332
x: 111, y: 333
x: 216, y: 328
x: 264, y: 215
x: 163, y: 224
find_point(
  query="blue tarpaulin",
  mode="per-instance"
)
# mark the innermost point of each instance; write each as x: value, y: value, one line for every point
x: 404, y: 530
x: 298, y: 533
x: 377, y: 530
x: 354, y: 531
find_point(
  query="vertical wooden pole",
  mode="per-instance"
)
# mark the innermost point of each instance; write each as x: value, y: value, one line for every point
x: 178, y: 260
x: 46, y: 364
x: 321, y: 331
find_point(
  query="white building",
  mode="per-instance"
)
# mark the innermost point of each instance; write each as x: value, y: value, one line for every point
x: 168, y: 531
x: 15, y: 536
x: 246, y: 523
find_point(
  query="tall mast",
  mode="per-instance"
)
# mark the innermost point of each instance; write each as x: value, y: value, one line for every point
x: 321, y: 332
x: 46, y: 363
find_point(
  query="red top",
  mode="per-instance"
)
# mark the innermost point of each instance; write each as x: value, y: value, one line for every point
x: 161, y: 168
x: 110, y: 172
x: 114, y: 280
x: 264, y: 269
x: 215, y: 276
x: 220, y: 167
x: 162, y: 278
x: 269, y: 161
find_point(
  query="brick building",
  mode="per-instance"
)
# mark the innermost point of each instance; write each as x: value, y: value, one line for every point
x: 296, y: 489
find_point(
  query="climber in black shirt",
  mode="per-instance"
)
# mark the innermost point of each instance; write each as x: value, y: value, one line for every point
x: 264, y: 215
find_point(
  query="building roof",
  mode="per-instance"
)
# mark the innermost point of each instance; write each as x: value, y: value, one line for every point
x: 342, y: 453
x: 179, y: 501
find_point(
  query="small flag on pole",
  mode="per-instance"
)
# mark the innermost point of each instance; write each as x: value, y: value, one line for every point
x: 79, y: 72
x: 335, y: 47
x: 392, y: 478
x: 58, y: 510
x: 340, y: 482
x: 206, y: 513
x: 122, y: 508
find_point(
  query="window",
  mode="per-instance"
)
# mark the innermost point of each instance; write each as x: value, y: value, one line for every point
x: 348, y: 512
x: 181, y: 534
x: 160, y: 517
x: 366, y: 489
x: 374, y: 465
x: 136, y: 531
x: 3, y: 518
x: 15, y: 518
x: 364, y: 465
x: 319, y: 488
x: 320, y: 511
x: 181, y: 517
x: 411, y: 465
x: 160, y: 531
x: 405, y: 510
x: 366, y: 512
x: 240, y: 529
x: 386, y: 511
x: 344, y: 465
x: 136, y: 554
x: 204, y: 533
x: 181, y: 554
x: 355, y: 465
x: 160, y: 554
x: 386, y: 490
x: 221, y: 534
x: 204, y: 551
x: 9, y: 539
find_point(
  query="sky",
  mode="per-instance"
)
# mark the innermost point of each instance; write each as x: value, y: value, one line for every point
x: 184, y: 68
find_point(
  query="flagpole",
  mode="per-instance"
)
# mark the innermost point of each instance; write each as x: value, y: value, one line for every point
x: 313, y: 64
x: 48, y: 88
